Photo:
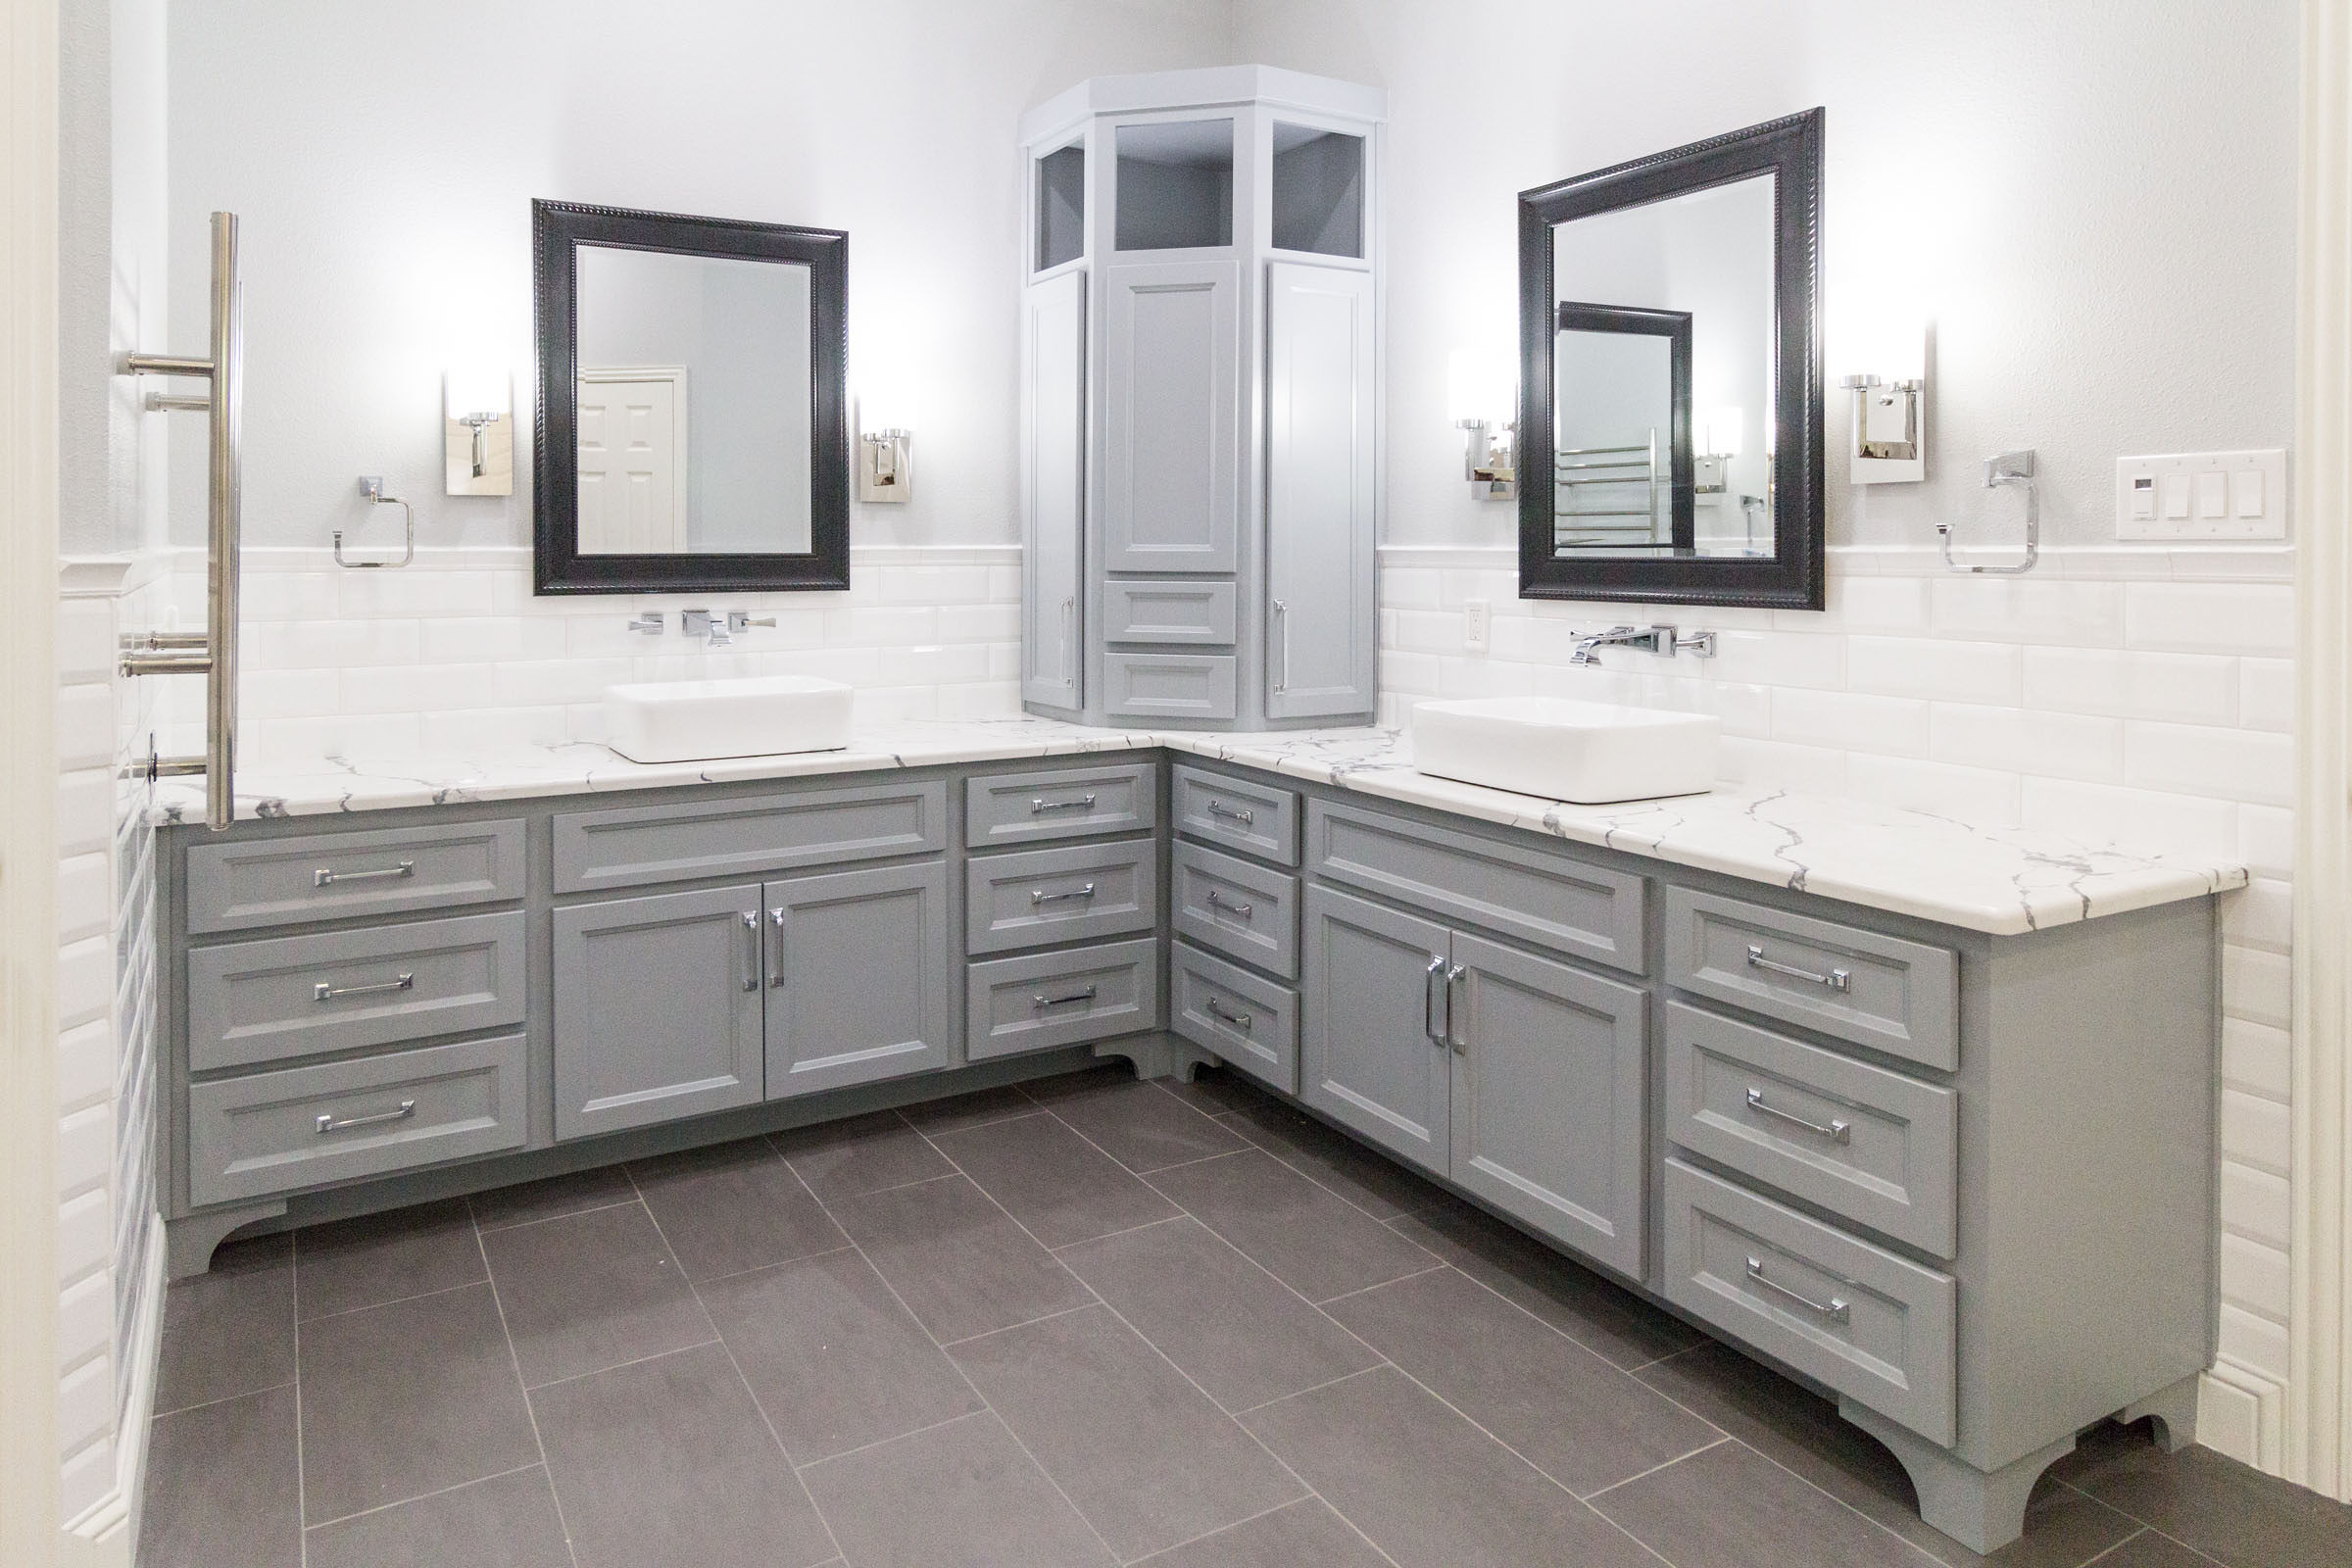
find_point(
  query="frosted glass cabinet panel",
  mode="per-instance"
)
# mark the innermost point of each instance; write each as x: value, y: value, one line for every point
x: 1319, y: 190
x: 1175, y: 185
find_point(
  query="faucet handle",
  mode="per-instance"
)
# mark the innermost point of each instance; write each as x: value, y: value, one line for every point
x: 742, y: 620
x: 649, y: 623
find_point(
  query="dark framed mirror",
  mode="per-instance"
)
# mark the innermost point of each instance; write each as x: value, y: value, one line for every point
x: 693, y: 425
x: 1670, y: 427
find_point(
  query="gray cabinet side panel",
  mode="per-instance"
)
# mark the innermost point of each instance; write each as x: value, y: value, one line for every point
x: 1321, y: 658
x: 857, y: 977
x: 1054, y: 490
x: 1172, y: 417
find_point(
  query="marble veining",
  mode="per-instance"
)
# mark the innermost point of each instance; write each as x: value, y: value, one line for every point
x: 2004, y: 881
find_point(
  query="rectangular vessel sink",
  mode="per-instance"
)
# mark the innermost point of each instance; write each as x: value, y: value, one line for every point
x: 755, y: 715
x: 1565, y: 750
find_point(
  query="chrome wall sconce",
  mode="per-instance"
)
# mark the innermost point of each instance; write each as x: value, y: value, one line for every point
x: 1888, y: 389
x: 1722, y: 436
x: 885, y: 449
x: 478, y: 433
x: 1483, y: 402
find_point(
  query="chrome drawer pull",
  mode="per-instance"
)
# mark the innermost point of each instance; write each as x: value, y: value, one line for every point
x: 1834, y: 1308
x: 1239, y: 1020
x: 329, y: 1124
x: 1084, y: 994
x: 1220, y: 808
x: 775, y: 969
x: 1459, y: 1041
x: 327, y: 877
x: 1434, y: 986
x: 1040, y: 806
x: 1041, y: 896
x: 1836, y: 979
x: 1240, y: 910
x: 1837, y: 1132
x: 751, y: 949
x: 323, y: 992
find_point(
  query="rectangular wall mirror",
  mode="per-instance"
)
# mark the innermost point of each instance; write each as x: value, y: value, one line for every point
x: 1669, y: 424
x: 692, y: 419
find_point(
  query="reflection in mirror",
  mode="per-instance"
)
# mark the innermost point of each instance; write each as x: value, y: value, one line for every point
x: 1621, y: 428
x: 693, y: 402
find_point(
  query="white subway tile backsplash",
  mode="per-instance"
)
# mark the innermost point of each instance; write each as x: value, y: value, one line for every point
x: 85, y: 887
x: 1773, y: 765
x: 2189, y: 688
x: 415, y: 688
x: 2267, y: 840
x: 2254, y: 1203
x: 2110, y: 813
x: 2262, y: 913
x: 2048, y: 611
x: 2254, y: 1277
x: 1935, y: 666
x: 557, y: 681
x: 2233, y: 763
x: 2266, y: 694
x: 2256, y: 1058
x: 2256, y: 985
x: 2210, y: 618
x: 490, y: 639
x: 2255, y: 1130
x: 85, y: 641
x: 1891, y: 727
x: 1986, y: 795
x: 2026, y: 742
x: 413, y: 593
x: 2256, y: 1342
x: 1781, y: 658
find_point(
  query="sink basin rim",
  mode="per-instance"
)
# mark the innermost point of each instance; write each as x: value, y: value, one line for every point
x: 1568, y: 749
x: 725, y: 716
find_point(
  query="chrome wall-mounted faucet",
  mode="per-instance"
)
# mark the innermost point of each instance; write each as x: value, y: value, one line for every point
x: 1655, y: 640
x: 712, y: 628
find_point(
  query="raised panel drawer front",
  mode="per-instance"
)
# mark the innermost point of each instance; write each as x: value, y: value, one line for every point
x: 1894, y: 996
x: 1170, y: 685
x: 1171, y: 612
x: 1876, y: 1147
x: 1516, y: 890
x: 1068, y: 803
x: 1239, y: 910
x: 640, y: 845
x: 285, y: 997
x: 1073, y: 893
x: 1256, y: 819
x: 1044, y: 1000
x: 335, y: 876
x: 1249, y: 1022
x: 1871, y: 1325
x: 277, y: 1132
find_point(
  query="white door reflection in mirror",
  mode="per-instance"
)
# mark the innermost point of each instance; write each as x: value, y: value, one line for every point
x: 632, y: 479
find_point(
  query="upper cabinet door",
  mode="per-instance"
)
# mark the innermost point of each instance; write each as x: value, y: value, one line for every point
x: 1321, y: 659
x: 857, y: 977
x: 1171, y: 497
x: 1054, y: 490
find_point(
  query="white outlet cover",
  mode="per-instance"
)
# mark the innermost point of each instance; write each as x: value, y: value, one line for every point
x: 2177, y: 473
x: 1476, y: 622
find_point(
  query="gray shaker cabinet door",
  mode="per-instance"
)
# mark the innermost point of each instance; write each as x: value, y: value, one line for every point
x: 657, y: 1008
x: 1549, y: 1096
x: 1321, y: 658
x: 1368, y: 1059
x: 857, y: 977
x: 1054, y: 490
x: 1171, y: 492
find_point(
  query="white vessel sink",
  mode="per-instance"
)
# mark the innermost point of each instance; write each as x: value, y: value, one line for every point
x: 757, y: 716
x: 1565, y: 750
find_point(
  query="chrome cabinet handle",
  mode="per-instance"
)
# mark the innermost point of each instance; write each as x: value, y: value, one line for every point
x: 1282, y: 617
x: 323, y: 992
x: 1460, y: 1042
x: 1219, y: 901
x: 1837, y: 1132
x: 1239, y: 1020
x: 329, y: 1124
x: 1069, y: 616
x: 1083, y: 994
x: 751, y: 949
x: 1433, y: 995
x: 1836, y: 979
x: 1040, y: 807
x: 775, y: 959
x: 1836, y: 1308
x: 1232, y: 814
x: 1039, y: 896
x: 327, y: 877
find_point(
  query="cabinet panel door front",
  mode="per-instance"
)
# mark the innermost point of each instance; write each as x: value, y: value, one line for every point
x: 1369, y: 1060
x: 657, y: 1008
x: 1320, y: 657
x: 1549, y: 1096
x: 1053, y: 489
x: 1171, y: 491
x: 857, y: 977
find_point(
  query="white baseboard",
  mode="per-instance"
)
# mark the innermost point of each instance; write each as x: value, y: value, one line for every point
x: 106, y: 1534
x: 2242, y: 1413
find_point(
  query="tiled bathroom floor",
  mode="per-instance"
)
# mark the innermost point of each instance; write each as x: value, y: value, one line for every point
x: 1099, y: 1321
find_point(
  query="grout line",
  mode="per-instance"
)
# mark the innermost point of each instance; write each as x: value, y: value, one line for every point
x: 911, y: 1432
x: 529, y: 1410
x: 1249, y: 1142
x: 1179, y: 1546
x: 397, y: 1301
x: 545, y: 1219
x: 2125, y: 1541
x: 242, y: 1393
x: 302, y: 1491
x: 634, y: 1361
x: 1721, y: 1438
x: 1046, y: 1317
x: 437, y: 1491
x: 756, y: 1268
x: 1033, y: 1109
x: 1316, y: 1388
x: 1366, y: 1290
x: 1631, y: 1371
x: 1149, y: 1224
x: 869, y: 1192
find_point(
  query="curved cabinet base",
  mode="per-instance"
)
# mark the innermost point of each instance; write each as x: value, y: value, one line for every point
x: 1983, y: 1511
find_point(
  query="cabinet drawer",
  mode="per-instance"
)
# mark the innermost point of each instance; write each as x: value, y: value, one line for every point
x: 274, y: 1132
x: 1874, y: 1145
x: 1518, y: 890
x: 1045, y: 1000
x: 256, y: 1001
x: 1250, y: 1022
x: 639, y: 845
x: 1237, y: 815
x: 1871, y: 1325
x: 1065, y: 895
x: 1175, y: 610
x: 332, y: 876
x: 1197, y: 686
x: 1894, y: 996
x: 1242, y: 910
x: 1004, y: 808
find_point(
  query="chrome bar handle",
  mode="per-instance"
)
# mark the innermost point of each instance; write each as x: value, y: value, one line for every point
x: 1040, y: 806
x: 330, y: 1124
x: 1839, y: 980
x: 1237, y: 910
x: 1039, y: 896
x: 1837, y: 1132
x: 1083, y: 994
x: 1070, y: 617
x: 328, y: 876
x: 750, y: 943
x: 1239, y: 1020
x: 775, y: 959
x: 323, y: 991
x: 1229, y: 814
x: 1433, y: 992
x: 1281, y: 618
x: 1836, y: 1309
x: 1459, y: 1041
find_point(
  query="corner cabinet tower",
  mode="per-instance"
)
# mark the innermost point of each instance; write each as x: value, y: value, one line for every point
x: 1200, y: 400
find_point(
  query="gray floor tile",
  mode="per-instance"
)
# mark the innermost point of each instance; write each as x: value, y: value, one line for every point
x: 1239, y: 1332
x: 408, y: 1398
x: 229, y: 1331
x: 1378, y: 1186
x: 1054, y: 1182
x: 668, y: 1465
x: 591, y: 1291
x: 737, y: 1206
x: 551, y: 1197
x: 1314, y: 1242
x: 1582, y: 1422
x: 1215, y: 1091
x: 509, y: 1521
x: 1302, y: 1535
x: 863, y: 1155
x: 1144, y: 1127
x: 1731, y: 1508
x: 978, y: 1108
x: 957, y: 1259
x: 986, y: 1503
x: 2215, y: 1504
x: 1148, y: 1458
x: 383, y: 1257
x: 221, y: 1487
x: 2150, y: 1549
x: 1430, y: 1489
x: 834, y: 1359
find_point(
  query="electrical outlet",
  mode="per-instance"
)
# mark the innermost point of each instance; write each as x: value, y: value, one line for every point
x: 1477, y: 621
x: 2202, y: 495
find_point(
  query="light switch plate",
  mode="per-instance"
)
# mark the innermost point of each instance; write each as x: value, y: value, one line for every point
x: 2202, y: 495
x: 1477, y: 621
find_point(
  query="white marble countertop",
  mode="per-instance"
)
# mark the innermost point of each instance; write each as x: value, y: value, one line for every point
x: 1998, y: 880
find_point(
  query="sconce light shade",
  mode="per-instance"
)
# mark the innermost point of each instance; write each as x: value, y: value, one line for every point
x: 1885, y: 373
x: 1479, y: 389
x: 1725, y: 431
x: 478, y: 445
x: 475, y: 390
